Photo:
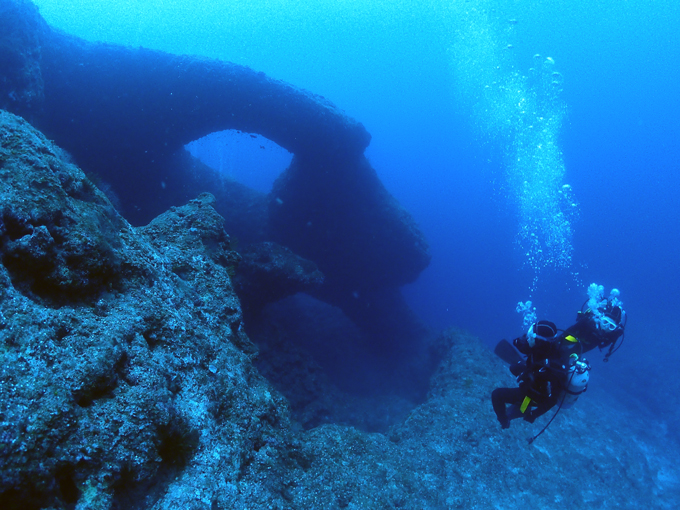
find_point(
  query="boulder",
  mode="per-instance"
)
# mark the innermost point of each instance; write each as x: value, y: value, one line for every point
x: 122, y: 352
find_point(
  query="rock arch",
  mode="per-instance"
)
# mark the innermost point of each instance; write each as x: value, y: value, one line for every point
x: 126, y: 113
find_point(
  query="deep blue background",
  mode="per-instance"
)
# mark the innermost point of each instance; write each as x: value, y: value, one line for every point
x: 389, y: 65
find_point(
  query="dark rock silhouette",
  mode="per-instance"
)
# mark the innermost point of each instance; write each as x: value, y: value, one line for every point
x: 332, y: 211
x: 126, y: 113
x: 269, y: 272
x: 21, y: 83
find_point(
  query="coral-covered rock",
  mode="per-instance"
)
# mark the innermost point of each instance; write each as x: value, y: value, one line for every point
x: 59, y: 235
x: 144, y: 383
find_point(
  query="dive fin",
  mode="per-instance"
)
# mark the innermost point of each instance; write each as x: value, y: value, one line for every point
x: 505, y: 351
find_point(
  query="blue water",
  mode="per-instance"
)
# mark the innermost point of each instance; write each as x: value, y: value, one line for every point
x: 399, y: 67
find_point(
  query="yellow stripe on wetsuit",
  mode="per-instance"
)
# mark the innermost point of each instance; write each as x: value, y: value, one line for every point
x: 525, y: 404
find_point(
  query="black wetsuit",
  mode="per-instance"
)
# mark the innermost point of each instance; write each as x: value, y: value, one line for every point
x: 541, y: 378
x: 586, y: 336
x: 501, y: 397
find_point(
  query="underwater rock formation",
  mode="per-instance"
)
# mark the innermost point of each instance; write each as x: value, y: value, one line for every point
x: 332, y: 211
x: 127, y: 382
x: 21, y: 83
x: 269, y: 272
x: 323, y: 364
x: 122, y: 351
x: 126, y: 113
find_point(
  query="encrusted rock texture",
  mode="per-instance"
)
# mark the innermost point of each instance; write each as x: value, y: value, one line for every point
x: 125, y: 372
x: 127, y: 381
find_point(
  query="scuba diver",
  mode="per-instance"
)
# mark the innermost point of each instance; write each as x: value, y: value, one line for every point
x: 600, y: 325
x: 551, y: 369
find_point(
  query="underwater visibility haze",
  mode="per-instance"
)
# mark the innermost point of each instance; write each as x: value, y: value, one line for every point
x: 536, y: 145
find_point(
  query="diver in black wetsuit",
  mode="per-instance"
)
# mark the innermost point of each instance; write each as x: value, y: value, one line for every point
x: 542, y: 376
x: 552, y: 370
x: 601, y: 328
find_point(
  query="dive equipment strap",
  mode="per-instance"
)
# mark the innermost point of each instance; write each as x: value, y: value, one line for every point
x: 564, y: 395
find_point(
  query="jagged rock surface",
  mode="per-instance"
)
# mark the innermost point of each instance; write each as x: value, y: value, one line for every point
x: 125, y: 374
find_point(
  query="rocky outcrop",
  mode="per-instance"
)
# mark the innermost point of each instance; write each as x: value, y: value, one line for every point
x: 127, y: 382
x: 322, y: 363
x: 122, y: 349
x: 331, y: 211
x: 21, y: 83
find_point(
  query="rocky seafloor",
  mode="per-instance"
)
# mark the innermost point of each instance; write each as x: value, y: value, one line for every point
x: 127, y: 381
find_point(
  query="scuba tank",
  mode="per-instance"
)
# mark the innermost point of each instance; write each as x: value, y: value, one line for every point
x: 578, y: 376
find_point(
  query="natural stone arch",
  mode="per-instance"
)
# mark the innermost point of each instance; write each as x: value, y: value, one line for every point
x: 126, y: 113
